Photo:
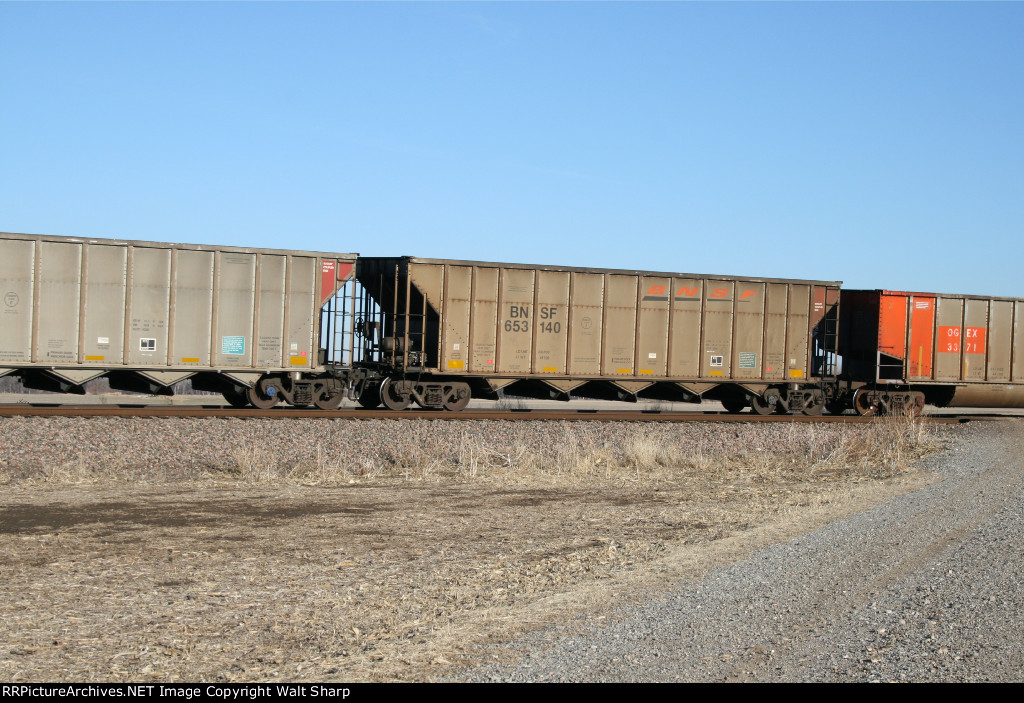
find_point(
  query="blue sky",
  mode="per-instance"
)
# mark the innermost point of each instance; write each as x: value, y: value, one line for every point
x: 879, y: 144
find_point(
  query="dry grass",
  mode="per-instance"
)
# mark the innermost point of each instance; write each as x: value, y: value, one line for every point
x: 399, y: 565
x: 652, y: 454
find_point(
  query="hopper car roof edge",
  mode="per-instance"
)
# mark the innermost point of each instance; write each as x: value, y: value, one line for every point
x: 580, y: 269
x: 174, y: 245
x: 925, y: 294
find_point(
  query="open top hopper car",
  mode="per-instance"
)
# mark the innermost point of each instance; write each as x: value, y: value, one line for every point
x: 242, y: 322
x: 904, y: 349
x: 443, y: 332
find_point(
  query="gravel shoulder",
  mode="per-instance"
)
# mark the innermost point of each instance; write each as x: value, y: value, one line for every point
x: 925, y: 587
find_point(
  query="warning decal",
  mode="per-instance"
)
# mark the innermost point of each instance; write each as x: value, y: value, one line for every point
x: 232, y: 345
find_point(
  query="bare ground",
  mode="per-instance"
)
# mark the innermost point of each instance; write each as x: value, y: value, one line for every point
x: 378, y: 578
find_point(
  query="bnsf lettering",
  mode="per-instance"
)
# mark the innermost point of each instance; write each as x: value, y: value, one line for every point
x: 686, y: 292
x: 519, y: 311
x: 547, y: 313
x: 657, y: 290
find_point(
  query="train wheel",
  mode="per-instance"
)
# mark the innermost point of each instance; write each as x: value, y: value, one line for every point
x: 327, y: 401
x: 836, y: 407
x: 733, y: 406
x: 766, y: 405
x: 237, y: 398
x: 917, y: 403
x: 369, y: 398
x: 813, y: 410
x: 456, y: 396
x: 863, y: 405
x: 261, y: 401
x: 814, y: 404
x: 391, y: 394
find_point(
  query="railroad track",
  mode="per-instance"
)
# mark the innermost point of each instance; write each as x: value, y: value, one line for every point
x: 21, y: 409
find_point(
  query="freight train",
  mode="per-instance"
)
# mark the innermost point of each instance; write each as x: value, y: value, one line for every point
x: 265, y: 327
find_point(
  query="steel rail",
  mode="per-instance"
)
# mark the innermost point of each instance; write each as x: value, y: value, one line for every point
x: 42, y: 410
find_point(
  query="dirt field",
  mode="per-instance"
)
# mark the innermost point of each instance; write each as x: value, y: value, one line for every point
x: 390, y: 577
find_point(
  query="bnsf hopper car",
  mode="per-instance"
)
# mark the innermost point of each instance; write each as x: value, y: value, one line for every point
x: 446, y: 331
x: 242, y: 322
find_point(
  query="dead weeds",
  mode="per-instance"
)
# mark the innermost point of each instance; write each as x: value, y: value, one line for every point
x: 397, y: 567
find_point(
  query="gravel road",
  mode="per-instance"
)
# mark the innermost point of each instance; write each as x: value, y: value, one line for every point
x: 924, y: 588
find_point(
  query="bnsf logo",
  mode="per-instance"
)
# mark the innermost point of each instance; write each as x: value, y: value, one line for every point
x: 661, y: 292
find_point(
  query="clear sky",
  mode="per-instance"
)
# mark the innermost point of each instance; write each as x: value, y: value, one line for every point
x: 879, y: 144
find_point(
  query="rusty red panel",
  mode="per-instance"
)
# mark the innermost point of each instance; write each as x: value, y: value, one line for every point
x: 922, y: 334
x: 328, y: 267
x: 892, y: 325
x: 333, y: 273
x: 819, y: 308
